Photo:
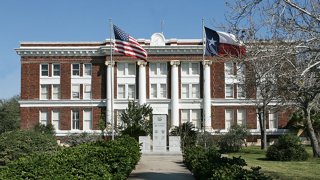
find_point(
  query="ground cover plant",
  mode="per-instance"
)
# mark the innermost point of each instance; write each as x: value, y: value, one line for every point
x: 94, y: 160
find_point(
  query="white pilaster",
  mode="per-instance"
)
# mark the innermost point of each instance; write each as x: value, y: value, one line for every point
x: 174, y: 93
x: 142, y: 82
x: 109, y: 91
x: 207, y: 95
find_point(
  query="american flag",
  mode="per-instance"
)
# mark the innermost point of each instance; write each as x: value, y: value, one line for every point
x: 127, y: 45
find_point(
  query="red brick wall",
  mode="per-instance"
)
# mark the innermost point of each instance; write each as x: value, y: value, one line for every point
x: 30, y: 73
x: 30, y: 116
x: 217, y: 79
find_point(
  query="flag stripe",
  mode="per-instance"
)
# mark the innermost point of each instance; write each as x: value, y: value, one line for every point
x: 127, y: 45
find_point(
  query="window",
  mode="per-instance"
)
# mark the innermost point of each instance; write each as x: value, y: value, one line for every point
x: 126, y: 69
x: 87, y: 69
x: 158, y: 69
x: 75, y: 119
x: 195, y: 68
x: 195, y: 91
x: 56, y: 69
x: 241, y: 69
x: 44, y: 92
x: 229, y: 68
x: 185, y: 91
x: 153, y: 91
x: 120, y: 123
x: 196, y: 118
x: 273, y: 120
x: 87, y: 120
x: 44, y: 117
x: 229, y: 91
x: 240, y: 91
x: 44, y: 70
x: 163, y: 91
x: 158, y: 91
x: 87, y: 91
x: 121, y: 69
x: 191, y: 115
x: 131, y: 68
x: 228, y: 118
x: 56, y: 120
x: 241, y: 117
x: 56, y: 91
x: 76, y: 91
x: 185, y: 116
x: 75, y: 69
x: 190, y: 68
x: 131, y: 91
x: 121, y: 91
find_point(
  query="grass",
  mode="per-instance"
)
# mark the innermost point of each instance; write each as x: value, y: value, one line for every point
x: 254, y: 156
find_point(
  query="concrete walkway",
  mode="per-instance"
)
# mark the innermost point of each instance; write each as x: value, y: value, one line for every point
x: 159, y: 167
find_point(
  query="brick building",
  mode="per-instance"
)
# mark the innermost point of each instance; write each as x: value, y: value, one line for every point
x: 69, y: 85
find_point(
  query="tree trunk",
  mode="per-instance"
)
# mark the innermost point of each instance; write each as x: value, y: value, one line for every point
x: 265, y: 127
x: 312, y: 134
x: 262, y: 123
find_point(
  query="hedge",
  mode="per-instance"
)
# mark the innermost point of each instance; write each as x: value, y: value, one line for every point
x: 95, y: 160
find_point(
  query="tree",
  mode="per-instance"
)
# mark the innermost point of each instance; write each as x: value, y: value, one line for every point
x: 9, y: 114
x: 137, y: 120
x: 187, y: 134
x: 297, y: 24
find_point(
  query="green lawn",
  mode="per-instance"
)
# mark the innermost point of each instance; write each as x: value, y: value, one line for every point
x: 309, y: 169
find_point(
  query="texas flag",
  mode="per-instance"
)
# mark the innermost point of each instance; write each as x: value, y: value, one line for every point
x: 222, y: 43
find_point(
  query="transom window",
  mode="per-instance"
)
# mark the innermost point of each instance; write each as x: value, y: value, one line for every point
x: 190, y: 68
x: 158, y: 69
x: 44, y: 70
x: 126, y: 69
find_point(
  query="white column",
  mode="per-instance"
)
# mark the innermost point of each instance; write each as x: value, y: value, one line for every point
x: 207, y: 95
x: 142, y: 82
x: 174, y: 93
x: 109, y: 90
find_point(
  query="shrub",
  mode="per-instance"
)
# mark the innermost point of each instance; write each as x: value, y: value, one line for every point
x: 16, y: 144
x: 287, y: 148
x: 233, y: 140
x: 209, y: 164
x: 94, y: 160
x: 45, y: 129
x: 76, y: 139
x: 187, y: 133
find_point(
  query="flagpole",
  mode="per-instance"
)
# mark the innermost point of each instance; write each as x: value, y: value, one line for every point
x: 112, y: 93
x: 203, y: 51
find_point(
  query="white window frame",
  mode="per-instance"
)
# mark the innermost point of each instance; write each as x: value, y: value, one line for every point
x: 229, y: 68
x: 158, y: 93
x: 41, y: 70
x: 126, y: 69
x: 232, y: 91
x: 87, y: 91
x: 55, y: 121
x: 241, y: 95
x: 72, y: 70
x: 191, y: 92
x: 42, y: 93
x: 273, y: 119
x: 189, y: 113
x: 75, y: 122
x: 187, y: 69
x: 241, y: 120
x: 72, y: 92
x: 54, y: 70
x: 155, y: 69
x: 131, y: 92
x: 43, y: 117
x: 55, y: 95
x: 87, y: 120
x: 85, y: 70
x: 229, y: 122
x: 126, y: 92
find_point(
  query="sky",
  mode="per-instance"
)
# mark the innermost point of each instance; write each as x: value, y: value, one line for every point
x: 88, y: 20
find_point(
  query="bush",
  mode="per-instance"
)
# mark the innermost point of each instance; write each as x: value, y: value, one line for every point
x: 94, y: 160
x: 233, y: 140
x: 16, y: 144
x: 209, y: 164
x: 287, y: 148
x: 45, y: 129
x: 77, y: 139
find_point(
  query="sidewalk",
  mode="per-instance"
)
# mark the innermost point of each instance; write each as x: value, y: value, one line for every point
x: 159, y: 167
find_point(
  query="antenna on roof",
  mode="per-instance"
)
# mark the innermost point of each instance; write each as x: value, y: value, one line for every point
x: 161, y: 24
